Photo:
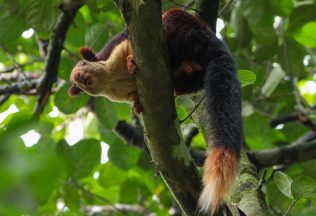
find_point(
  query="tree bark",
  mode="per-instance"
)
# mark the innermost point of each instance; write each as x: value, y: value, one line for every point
x: 56, y: 44
x: 208, y: 10
x: 161, y: 126
x: 246, y: 195
x: 303, y: 149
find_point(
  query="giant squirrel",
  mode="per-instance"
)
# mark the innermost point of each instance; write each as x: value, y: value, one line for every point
x: 198, y: 59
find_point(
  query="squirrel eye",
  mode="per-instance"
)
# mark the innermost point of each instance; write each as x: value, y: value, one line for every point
x: 83, y: 62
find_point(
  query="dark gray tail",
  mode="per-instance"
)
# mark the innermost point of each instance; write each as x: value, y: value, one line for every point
x: 223, y: 95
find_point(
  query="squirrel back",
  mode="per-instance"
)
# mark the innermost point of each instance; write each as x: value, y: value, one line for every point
x: 190, y: 39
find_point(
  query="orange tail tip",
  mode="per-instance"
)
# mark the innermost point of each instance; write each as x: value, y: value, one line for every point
x: 220, y: 170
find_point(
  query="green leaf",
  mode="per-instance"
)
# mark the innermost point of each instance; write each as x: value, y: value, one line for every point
x: 306, y: 35
x: 132, y: 189
x: 71, y: 197
x: 16, y: 125
x: 81, y: 158
x: 283, y: 183
x: 106, y: 112
x: 123, y: 110
x: 87, y: 154
x: 260, y: 20
x: 12, y: 23
x: 309, y: 212
x: 303, y: 186
x: 66, y: 65
x: 68, y: 104
x: 181, y: 112
x: 240, y: 26
x: 301, y: 15
x: 111, y: 175
x: 246, y: 77
x: 282, y: 7
x: 96, y: 36
x: 67, y: 156
x: 263, y: 52
x: 259, y: 136
x: 273, y: 80
x: 41, y: 15
x: 185, y: 101
x: 122, y: 155
x: 75, y: 35
x: 292, y: 61
x: 247, y: 109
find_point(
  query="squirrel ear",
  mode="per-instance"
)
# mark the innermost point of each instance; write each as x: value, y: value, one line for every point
x: 88, y: 54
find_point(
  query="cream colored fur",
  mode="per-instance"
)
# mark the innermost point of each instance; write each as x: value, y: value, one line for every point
x: 109, y: 78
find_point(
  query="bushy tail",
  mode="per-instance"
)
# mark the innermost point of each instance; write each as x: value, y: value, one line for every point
x: 223, y: 96
x: 221, y: 167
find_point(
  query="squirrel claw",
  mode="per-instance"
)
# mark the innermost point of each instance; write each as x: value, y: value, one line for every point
x: 131, y: 65
x: 137, y: 108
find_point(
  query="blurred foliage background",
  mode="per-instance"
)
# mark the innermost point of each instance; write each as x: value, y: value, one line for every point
x: 71, y: 161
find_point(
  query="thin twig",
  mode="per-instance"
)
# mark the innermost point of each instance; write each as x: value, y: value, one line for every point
x: 18, y: 87
x: 190, y: 4
x: 72, y: 54
x: 97, y: 196
x: 15, y: 63
x: 128, y: 208
x: 295, y: 152
x: 220, y: 13
x: 291, y: 94
x: 14, y: 77
x: 184, y: 6
x: 196, y: 106
x: 4, y: 98
x: 69, y: 9
x: 192, y: 133
x: 290, y: 207
x: 14, y: 67
x: 300, y: 117
x: 262, y: 179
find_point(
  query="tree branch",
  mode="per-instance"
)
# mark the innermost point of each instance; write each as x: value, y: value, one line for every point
x: 300, y: 117
x: 161, y: 126
x: 132, y: 135
x: 302, y: 150
x: 125, y: 208
x: 17, y: 66
x: 3, y: 99
x: 19, y: 87
x: 192, y: 133
x: 245, y: 195
x: 69, y: 10
x: 185, y: 6
x: 208, y: 10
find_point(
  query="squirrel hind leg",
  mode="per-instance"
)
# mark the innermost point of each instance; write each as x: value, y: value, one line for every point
x: 136, y: 106
x: 88, y: 54
x: 189, y: 67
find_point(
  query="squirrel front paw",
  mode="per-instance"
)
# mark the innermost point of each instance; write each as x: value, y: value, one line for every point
x: 136, y: 106
x: 131, y: 65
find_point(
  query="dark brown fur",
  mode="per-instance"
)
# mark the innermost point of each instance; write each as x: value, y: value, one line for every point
x: 197, y: 60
